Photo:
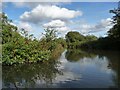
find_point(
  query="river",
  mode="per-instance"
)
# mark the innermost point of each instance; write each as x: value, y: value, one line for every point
x: 73, y: 69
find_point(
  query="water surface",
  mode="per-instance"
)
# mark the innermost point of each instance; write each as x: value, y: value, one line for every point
x: 73, y: 69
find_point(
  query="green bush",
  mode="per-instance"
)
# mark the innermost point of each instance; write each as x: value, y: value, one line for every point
x: 20, y: 47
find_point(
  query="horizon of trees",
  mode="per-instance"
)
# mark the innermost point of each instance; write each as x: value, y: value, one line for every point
x: 111, y: 42
x: 20, y: 47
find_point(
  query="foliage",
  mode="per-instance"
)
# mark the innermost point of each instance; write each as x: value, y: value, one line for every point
x: 75, y: 39
x: 50, y: 34
x: 114, y: 32
x: 90, y: 38
x: 20, y: 47
x: 111, y: 42
x: 72, y: 37
x: 102, y: 44
x: 61, y: 41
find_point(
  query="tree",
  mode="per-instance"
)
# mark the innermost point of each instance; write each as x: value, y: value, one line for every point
x: 7, y: 29
x: 114, y: 32
x: 50, y: 34
x: 19, y: 48
x: 74, y: 36
x: 91, y: 38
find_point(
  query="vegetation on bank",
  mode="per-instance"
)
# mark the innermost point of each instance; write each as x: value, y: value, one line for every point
x: 20, y: 47
x: 76, y: 40
x: 111, y: 42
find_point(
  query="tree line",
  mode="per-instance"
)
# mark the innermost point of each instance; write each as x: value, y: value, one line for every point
x: 20, y: 47
x: 111, y: 42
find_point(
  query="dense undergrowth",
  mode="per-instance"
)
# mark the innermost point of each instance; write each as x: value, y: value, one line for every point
x: 20, y: 47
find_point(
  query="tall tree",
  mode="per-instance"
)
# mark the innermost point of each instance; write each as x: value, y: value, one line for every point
x: 114, y: 32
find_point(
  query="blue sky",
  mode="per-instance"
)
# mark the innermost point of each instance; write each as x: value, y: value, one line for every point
x: 84, y: 17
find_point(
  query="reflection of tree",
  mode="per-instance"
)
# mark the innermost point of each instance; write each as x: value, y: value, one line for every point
x: 28, y: 74
x: 113, y: 57
x: 75, y: 55
x: 114, y: 64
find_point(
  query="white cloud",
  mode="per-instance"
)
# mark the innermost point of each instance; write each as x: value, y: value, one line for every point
x: 58, y: 25
x: 41, y: 13
x: 23, y: 3
x: 55, y: 23
x: 30, y: 4
x: 103, y: 25
x: 11, y: 23
x: 106, y: 22
x: 20, y: 4
x: 25, y: 26
x: 63, y: 29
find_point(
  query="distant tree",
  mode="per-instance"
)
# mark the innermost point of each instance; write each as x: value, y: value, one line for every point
x: 114, y: 32
x: 91, y: 38
x: 74, y: 36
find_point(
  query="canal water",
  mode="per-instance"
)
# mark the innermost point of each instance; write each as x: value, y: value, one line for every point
x: 73, y: 69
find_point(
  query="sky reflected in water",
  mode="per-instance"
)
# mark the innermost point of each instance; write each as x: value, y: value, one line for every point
x: 73, y: 69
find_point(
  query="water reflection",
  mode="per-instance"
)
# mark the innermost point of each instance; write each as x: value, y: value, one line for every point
x: 29, y: 75
x: 76, y: 55
x: 73, y: 69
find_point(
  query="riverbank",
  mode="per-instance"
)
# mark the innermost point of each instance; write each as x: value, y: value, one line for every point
x: 77, y: 41
x: 19, y: 47
x: 102, y: 44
